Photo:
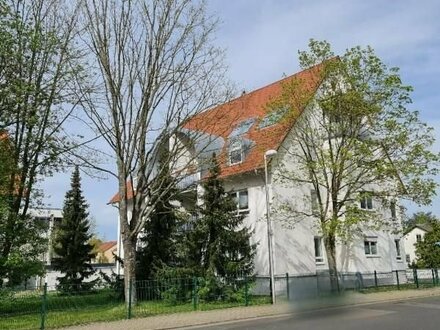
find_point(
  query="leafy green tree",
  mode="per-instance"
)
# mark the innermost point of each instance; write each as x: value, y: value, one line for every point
x: 72, y: 241
x: 355, y: 141
x: 219, y: 244
x: 37, y: 99
x: 428, y: 250
x: 420, y: 218
x: 24, y: 257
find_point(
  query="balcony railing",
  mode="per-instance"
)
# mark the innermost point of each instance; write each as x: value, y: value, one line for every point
x: 188, y: 181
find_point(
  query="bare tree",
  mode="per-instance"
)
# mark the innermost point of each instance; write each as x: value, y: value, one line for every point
x: 355, y: 142
x: 156, y: 66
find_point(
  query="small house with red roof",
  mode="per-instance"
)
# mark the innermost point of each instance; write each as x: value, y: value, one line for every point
x: 240, y: 132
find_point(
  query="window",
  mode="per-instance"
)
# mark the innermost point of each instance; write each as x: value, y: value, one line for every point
x: 314, y: 201
x: 418, y: 238
x: 366, y: 201
x: 235, y: 152
x: 241, y: 198
x: 370, y: 245
x: 318, y: 249
x: 408, y: 258
x: 398, y: 255
x: 393, y: 210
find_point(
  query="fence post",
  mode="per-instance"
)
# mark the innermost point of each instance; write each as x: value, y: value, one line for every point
x: 246, y: 291
x: 436, y: 276
x: 416, y: 279
x: 194, y: 293
x: 130, y: 289
x: 375, y: 279
x: 287, y: 286
x: 433, y: 277
x: 43, y: 307
x: 397, y: 278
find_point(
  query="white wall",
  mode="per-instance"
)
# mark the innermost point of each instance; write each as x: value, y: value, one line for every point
x: 410, y: 239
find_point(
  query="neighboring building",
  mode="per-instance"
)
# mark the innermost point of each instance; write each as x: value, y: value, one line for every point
x: 105, y: 253
x: 411, y: 237
x: 50, y: 218
x: 240, y: 132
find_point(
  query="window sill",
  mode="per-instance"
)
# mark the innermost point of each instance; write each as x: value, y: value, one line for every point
x: 320, y: 263
x: 372, y: 256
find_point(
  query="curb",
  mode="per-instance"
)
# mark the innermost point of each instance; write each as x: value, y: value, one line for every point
x: 305, y: 311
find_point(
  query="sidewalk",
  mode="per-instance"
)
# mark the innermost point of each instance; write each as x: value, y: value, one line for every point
x: 180, y: 320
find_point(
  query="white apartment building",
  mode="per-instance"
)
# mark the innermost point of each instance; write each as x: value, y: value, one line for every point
x: 241, y: 131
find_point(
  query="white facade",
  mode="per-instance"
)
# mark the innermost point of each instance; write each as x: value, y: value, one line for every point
x: 297, y: 243
x: 50, y: 218
x: 410, y: 240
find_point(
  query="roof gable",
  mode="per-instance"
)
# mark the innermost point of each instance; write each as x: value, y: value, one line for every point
x: 249, y: 118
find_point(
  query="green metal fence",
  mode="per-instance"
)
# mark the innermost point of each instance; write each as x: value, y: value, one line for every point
x: 49, y: 308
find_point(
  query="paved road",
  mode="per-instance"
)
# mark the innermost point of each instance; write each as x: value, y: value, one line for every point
x: 414, y: 314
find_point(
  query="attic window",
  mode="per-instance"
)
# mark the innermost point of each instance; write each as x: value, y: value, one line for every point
x: 235, y: 152
x: 273, y: 117
x: 242, y: 127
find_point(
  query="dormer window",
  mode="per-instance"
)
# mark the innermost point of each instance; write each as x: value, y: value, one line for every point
x: 235, y: 152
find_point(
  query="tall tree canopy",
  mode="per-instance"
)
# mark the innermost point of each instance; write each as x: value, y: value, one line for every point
x: 356, y: 141
x: 155, y: 65
x: 37, y: 71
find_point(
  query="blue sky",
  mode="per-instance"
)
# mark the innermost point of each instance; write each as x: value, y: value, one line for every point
x: 262, y: 39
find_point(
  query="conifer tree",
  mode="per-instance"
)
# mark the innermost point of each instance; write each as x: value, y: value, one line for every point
x: 219, y: 244
x: 71, y: 243
x: 159, y: 235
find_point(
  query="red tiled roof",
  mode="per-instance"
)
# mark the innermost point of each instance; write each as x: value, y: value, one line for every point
x: 106, y: 246
x: 221, y: 120
x: 130, y: 194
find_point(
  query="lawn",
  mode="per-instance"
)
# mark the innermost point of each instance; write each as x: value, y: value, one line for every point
x: 24, y: 312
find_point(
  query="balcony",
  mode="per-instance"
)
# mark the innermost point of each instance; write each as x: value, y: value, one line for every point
x: 188, y: 181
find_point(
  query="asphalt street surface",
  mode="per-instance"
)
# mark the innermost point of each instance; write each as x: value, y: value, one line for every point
x: 414, y: 314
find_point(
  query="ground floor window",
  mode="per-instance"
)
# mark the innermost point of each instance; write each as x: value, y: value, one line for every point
x: 319, y: 257
x: 398, y: 254
x: 370, y: 245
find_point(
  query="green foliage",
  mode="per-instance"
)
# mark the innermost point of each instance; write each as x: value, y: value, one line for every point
x: 37, y: 68
x: 71, y: 243
x: 159, y: 238
x: 219, y: 245
x: 428, y: 250
x: 357, y: 138
x: 21, y: 235
x: 420, y: 218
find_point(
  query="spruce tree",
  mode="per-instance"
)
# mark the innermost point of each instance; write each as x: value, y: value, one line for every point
x: 158, y: 240
x: 71, y: 243
x: 219, y: 245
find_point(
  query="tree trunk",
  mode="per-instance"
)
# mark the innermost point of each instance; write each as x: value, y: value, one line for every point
x: 130, y: 270
x: 330, y: 249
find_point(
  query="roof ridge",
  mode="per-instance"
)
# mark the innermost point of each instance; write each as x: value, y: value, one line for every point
x: 279, y: 81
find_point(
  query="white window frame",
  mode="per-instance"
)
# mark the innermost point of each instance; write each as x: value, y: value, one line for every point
x: 235, y: 146
x: 366, y: 198
x: 317, y: 247
x: 371, y: 243
x: 398, y: 249
x: 236, y: 195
